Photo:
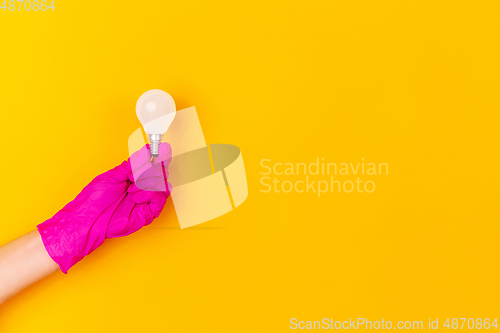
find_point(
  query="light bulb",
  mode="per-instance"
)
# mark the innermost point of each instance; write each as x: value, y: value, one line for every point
x: 156, y: 111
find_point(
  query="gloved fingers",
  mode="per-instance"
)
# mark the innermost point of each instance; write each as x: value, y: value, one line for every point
x: 157, y: 203
x: 165, y: 154
x: 109, y: 206
x: 144, y: 195
x: 140, y: 159
x: 143, y: 166
x: 143, y: 156
x: 152, y: 179
x: 133, y: 216
x: 152, y: 175
x: 156, y: 184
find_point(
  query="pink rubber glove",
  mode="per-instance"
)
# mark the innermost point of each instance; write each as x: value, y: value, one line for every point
x: 111, y: 205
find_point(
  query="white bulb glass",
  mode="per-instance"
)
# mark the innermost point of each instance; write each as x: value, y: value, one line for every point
x: 156, y: 111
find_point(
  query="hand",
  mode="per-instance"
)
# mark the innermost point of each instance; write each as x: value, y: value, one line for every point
x: 114, y: 204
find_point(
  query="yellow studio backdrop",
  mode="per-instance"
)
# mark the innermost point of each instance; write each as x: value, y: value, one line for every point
x: 412, y: 84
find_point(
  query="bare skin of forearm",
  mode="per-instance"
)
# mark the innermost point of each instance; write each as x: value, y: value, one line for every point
x: 23, y: 262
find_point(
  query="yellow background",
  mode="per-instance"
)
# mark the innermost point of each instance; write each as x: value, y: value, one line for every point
x: 414, y: 84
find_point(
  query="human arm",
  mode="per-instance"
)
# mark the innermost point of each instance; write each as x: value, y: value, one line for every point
x: 23, y: 262
x: 114, y: 204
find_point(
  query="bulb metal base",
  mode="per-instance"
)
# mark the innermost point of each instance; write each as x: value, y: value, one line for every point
x: 154, y: 144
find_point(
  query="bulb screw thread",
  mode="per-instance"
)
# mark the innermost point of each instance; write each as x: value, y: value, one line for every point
x: 154, y: 144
